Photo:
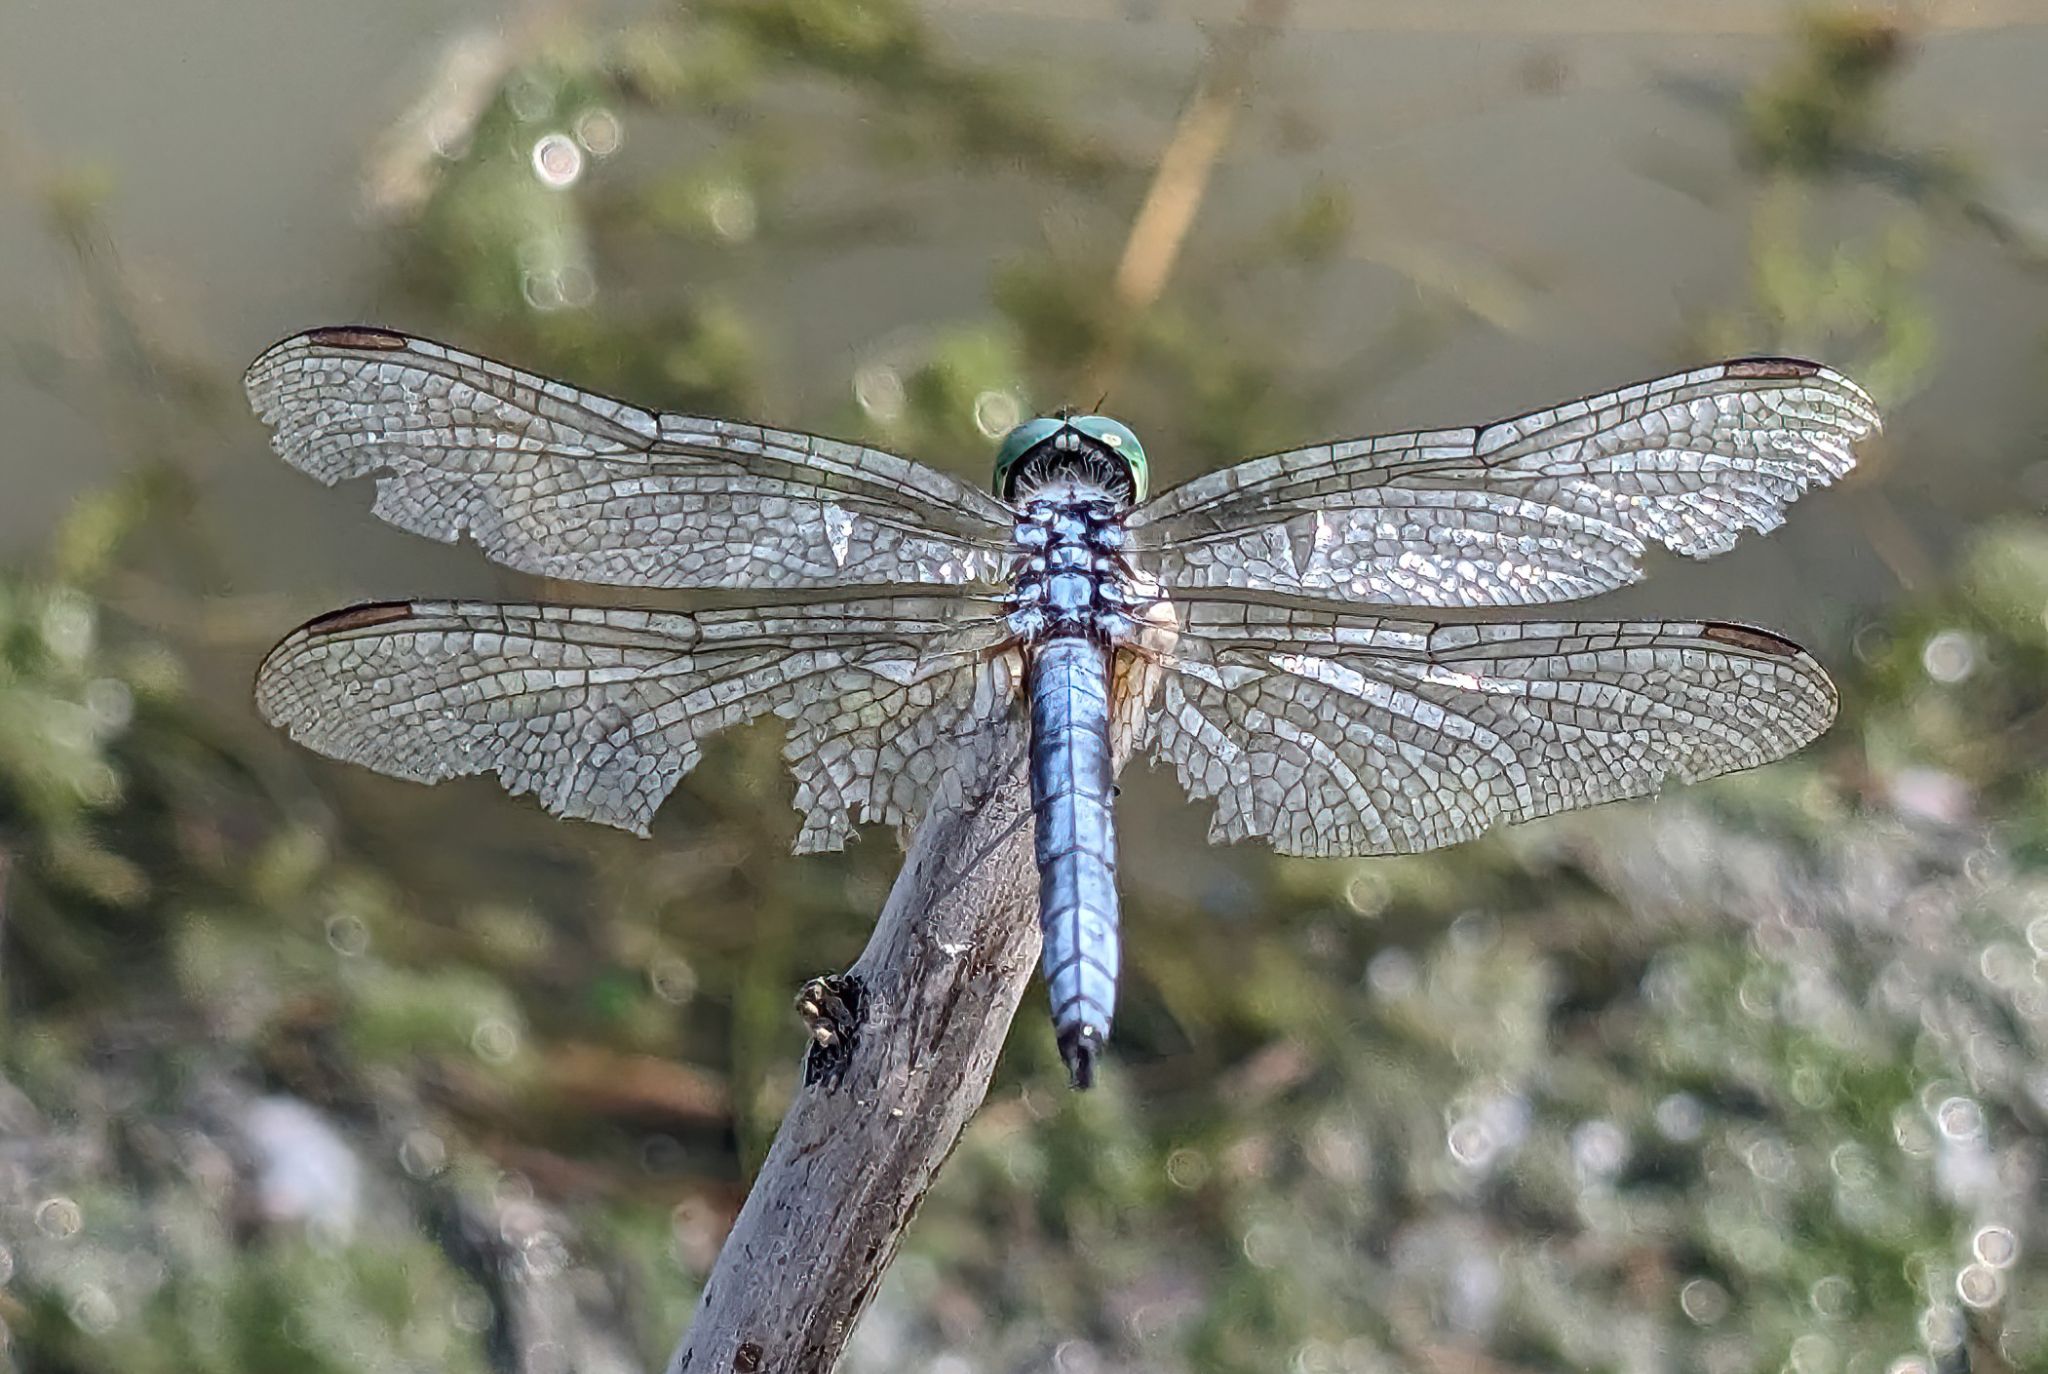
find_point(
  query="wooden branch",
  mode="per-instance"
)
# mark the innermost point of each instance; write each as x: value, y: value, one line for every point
x: 930, y: 1000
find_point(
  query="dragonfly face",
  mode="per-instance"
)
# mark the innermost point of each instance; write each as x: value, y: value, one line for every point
x: 1092, y: 449
x: 1292, y: 635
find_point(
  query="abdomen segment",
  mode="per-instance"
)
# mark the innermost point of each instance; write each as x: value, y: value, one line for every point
x: 1076, y: 843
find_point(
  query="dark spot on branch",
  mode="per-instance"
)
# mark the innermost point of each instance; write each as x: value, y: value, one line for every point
x: 747, y: 1359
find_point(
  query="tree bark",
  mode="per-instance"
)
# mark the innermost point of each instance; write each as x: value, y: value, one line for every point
x: 927, y: 1008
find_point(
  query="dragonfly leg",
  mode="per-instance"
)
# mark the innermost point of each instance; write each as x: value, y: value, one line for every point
x: 830, y: 1007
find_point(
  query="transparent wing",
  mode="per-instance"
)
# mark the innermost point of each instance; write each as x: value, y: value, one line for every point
x: 1333, y: 734
x: 1552, y: 506
x: 553, y: 480
x: 893, y: 744
x: 599, y: 711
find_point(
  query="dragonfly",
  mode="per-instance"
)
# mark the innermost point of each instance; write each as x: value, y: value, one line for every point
x: 1300, y: 637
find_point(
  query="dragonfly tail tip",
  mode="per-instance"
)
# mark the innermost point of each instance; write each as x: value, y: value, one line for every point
x: 1079, y: 1046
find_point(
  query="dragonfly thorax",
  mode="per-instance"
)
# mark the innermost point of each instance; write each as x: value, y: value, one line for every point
x: 1068, y: 576
x: 1090, y: 451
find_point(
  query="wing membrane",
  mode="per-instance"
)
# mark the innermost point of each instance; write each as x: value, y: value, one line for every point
x: 1552, y: 506
x: 599, y: 711
x: 553, y: 480
x: 1335, y: 734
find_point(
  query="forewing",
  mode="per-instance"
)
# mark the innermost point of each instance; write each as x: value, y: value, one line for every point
x: 1335, y: 734
x: 562, y: 482
x: 1551, y: 506
x: 599, y: 711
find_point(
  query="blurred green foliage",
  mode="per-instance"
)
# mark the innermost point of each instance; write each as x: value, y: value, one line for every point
x: 1827, y: 103
x: 1746, y: 1080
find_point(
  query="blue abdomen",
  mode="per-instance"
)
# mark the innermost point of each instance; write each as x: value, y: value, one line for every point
x: 1076, y: 843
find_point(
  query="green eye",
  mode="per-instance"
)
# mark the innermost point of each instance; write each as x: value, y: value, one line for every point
x: 1113, y: 435
x: 1119, y: 438
x: 1021, y: 441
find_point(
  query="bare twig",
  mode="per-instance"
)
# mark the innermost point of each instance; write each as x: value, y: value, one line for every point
x: 931, y: 1000
x: 1178, y: 184
x: 469, y: 72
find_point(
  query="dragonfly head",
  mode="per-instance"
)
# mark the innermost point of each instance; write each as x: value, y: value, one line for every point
x: 1093, y: 448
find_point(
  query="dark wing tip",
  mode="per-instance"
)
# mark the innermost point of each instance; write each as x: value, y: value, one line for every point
x: 319, y: 627
x: 1773, y: 369
x: 364, y: 337
x: 1751, y: 638
x: 1813, y: 685
x: 263, y: 375
x: 353, y: 618
x: 361, y: 338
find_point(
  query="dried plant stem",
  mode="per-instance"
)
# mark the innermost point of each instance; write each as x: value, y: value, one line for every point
x: 1179, y: 183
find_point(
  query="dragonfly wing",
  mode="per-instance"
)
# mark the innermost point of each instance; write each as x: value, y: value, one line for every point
x: 562, y: 482
x: 599, y: 711
x: 1336, y: 734
x: 893, y: 742
x: 1551, y: 506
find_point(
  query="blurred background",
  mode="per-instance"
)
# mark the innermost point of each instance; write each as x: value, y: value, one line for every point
x: 302, y: 1068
